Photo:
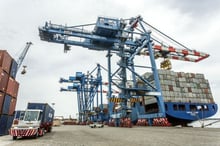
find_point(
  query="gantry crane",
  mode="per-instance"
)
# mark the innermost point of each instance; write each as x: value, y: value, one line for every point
x: 87, y: 87
x: 127, y: 38
x: 22, y: 56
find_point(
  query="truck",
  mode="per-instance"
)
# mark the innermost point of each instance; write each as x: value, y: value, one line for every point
x: 33, y: 122
x: 96, y: 124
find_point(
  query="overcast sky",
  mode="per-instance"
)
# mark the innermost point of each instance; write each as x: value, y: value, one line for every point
x: 194, y: 23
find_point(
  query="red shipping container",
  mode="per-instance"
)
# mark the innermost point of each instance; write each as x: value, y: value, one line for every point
x: 12, y: 106
x: 12, y: 88
x: 2, y: 97
x: 3, y: 80
x: 5, y: 61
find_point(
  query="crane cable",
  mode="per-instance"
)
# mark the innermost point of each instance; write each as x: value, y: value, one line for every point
x: 157, y: 30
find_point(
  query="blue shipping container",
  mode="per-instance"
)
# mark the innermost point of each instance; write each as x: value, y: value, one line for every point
x: 3, y: 124
x: 48, y: 111
x: 14, y: 68
x: 6, y: 104
x: 9, y: 123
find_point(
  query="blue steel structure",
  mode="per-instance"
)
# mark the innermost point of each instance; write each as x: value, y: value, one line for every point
x: 126, y: 38
x: 88, y: 87
x: 23, y: 54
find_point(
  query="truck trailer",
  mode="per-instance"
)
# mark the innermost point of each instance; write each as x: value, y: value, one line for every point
x: 33, y: 122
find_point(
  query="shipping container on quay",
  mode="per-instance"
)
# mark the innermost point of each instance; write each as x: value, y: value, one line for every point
x: 5, y: 61
x: 14, y: 67
x: 2, y: 97
x: 8, y: 91
x: 12, y: 87
x: 3, y: 80
x: 6, y: 105
x: 5, y: 124
x: 48, y: 110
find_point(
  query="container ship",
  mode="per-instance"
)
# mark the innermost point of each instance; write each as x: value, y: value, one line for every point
x: 187, y: 97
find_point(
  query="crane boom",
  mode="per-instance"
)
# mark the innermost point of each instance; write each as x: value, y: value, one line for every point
x: 96, y: 41
x: 23, y: 54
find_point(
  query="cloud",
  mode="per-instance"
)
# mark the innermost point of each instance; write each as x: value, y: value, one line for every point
x: 196, y: 9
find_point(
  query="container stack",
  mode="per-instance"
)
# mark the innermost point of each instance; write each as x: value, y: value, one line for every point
x: 183, y: 87
x: 8, y: 91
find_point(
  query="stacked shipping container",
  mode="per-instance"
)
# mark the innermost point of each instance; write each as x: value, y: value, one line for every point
x: 8, y: 91
x: 184, y: 87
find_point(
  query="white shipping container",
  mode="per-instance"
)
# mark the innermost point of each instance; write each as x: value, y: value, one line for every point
x: 182, y: 79
x: 198, y: 75
x: 203, y: 85
x: 172, y: 94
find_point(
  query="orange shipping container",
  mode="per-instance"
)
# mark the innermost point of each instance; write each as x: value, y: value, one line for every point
x: 12, y: 106
x: 12, y: 88
x: 2, y: 97
x: 3, y: 80
x: 5, y: 61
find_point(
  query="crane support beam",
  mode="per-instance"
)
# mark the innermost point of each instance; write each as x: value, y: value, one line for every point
x: 87, y: 88
x: 23, y: 54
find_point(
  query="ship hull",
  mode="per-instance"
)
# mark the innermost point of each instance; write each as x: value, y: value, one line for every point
x: 184, y: 113
x: 178, y: 113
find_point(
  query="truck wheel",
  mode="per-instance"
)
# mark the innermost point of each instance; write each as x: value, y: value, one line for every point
x: 49, y: 129
x: 36, y: 135
x: 43, y: 132
x: 14, y: 137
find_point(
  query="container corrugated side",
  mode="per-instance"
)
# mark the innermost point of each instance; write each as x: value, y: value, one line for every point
x: 48, y: 110
x: 2, y: 98
x: 5, y: 60
x: 3, y: 124
x: 6, y: 104
x: 12, y: 88
x: 3, y: 80
x: 12, y: 106
x: 9, y: 123
x: 14, y: 68
x: 49, y: 114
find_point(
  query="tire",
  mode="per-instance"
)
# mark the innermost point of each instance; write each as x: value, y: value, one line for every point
x: 14, y: 137
x: 43, y: 132
x: 37, y: 134
x: 49, y: 129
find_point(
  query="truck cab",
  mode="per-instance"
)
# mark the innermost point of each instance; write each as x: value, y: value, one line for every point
x: 33, y: 122
x: 28, y: 124
x: 31, y: 118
